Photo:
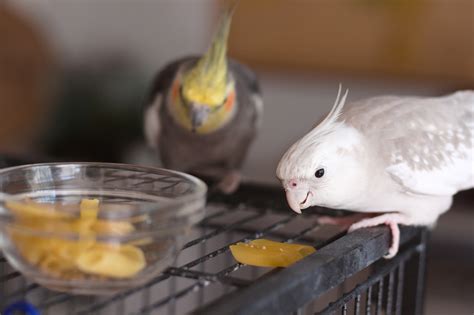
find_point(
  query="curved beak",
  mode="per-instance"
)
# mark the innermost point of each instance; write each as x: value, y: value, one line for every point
x: 298, y: 199
x: 198, y: 115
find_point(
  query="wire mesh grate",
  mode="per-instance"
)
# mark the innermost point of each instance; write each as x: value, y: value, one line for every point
x: 205, y: 265
x: 388, y: 295
x: 205, y: 278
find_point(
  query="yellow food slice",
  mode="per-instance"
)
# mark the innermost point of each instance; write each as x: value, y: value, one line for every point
x: 54, y: 266
x: 89, y: 223
x: 303, y: 250
x: 47, y: 225
x: 30, y: 209
x: 118, y: 228
x: 112, y: 261
x: 141, y: 242
x: 31, y: 248
x: 89, y: 209
x: 266, y: 253
x: 69, y: 251
x: 139, y: 218
x: 68, y: 258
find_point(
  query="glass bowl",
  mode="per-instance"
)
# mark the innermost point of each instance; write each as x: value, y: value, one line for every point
x: 95, y: 228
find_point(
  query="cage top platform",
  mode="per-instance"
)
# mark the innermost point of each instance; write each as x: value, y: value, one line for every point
x: 205, y: 279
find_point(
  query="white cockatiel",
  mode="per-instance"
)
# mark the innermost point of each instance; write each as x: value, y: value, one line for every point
x: 401, y: 157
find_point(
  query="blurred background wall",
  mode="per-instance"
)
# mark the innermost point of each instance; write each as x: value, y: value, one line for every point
x: 73, y: 76
x: 301, y: 49
x: 26, y: 70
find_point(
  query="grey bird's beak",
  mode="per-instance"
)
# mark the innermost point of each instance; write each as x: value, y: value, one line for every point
x: 198, y: 115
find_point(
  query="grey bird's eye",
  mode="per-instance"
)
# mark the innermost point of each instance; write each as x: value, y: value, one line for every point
x: 319, y: 173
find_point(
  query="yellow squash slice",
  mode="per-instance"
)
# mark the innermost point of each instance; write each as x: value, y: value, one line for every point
x: 67, y: 258
x: 122, y: 261
x: 29, y: 209
x: 267, y: 253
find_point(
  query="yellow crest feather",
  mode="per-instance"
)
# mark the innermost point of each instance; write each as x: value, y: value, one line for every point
x: 206, y: 82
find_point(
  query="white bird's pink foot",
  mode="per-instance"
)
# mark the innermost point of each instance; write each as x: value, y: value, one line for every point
x: 390, y: 219
x: 230, y: 182
x: 344, y: 222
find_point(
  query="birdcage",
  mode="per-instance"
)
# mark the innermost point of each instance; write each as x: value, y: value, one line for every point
x: 346, y: 275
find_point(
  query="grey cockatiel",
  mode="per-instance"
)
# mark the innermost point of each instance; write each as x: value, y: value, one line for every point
x: 203, y: 112
x: 403, y: 157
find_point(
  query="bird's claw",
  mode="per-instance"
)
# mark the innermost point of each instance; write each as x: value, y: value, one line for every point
x: 344, y: 222
x: 229, y: 183
x: 392, y: 251
x: 392, y: 223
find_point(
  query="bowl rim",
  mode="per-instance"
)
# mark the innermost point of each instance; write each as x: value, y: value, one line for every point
x: 200, y: 187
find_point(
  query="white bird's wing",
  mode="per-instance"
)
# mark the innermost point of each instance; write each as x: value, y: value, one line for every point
x: 426, y: 143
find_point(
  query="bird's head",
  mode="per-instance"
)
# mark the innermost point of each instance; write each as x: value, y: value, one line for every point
x: 324, y: 167
x: 203, y: 96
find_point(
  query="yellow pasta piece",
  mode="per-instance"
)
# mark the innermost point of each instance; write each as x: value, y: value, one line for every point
x: 112, y: 261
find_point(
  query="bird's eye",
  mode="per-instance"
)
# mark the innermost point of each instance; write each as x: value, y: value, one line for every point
x: 319, y: 173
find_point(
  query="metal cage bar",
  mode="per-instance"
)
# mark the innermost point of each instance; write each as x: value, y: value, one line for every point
x: 310, y: 278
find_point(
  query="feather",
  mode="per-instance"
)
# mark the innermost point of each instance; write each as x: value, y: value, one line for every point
x: 206, y: 82
x: 329, y: 123
x: 335, y: 112
x: 299, y: 156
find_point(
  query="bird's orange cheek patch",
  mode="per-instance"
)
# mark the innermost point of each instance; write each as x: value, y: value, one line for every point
x: 175, y: 91
x: 230, y: 101
x: 266, y: 253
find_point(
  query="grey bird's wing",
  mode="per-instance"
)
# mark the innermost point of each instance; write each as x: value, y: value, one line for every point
x: 160, y: 86
x: 246, y: 74
x: 252, y: 85
x: 426, y: 143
